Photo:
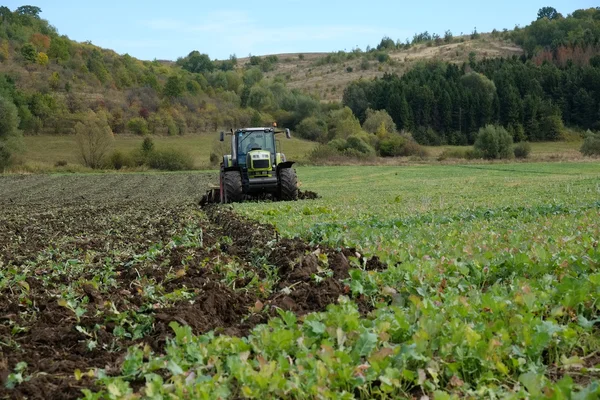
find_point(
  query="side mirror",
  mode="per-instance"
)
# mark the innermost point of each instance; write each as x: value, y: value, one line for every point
x: 287, y: 133
x: 222, y: 136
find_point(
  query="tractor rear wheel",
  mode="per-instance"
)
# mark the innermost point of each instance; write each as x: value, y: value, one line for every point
x: 288, y: 184
x: 232, y: 184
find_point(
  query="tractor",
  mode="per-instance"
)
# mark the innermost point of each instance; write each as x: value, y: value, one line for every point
x: 254, y: 169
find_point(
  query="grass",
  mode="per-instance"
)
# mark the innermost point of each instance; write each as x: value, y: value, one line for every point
x: 46, y: 150
x: 539, y: 150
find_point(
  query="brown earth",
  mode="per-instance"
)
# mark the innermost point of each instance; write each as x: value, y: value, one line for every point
x: 93, y: 240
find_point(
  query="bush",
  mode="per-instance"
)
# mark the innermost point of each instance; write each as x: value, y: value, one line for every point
x: 522, y: 149
x: 591, y: 144
x: 94, y: 137
x: 494, y: 142
x: 375, y: 119
x: 467, y: 154
x: 5, y: 157
x: 313, y: 128
x: 170, y: 160
x: 323, y: 152
x: 138, y: 125
x: 119, y: 160
x: 356, y: 143
x: 147, y: 145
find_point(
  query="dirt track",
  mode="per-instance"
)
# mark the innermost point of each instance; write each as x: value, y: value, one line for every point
x: 90, y: 265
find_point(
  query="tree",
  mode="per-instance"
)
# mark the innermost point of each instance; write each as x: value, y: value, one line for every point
x: 196, y: 62
x: 386, y: 44
x: 313, y: 128
x: 60, y: 49
x: 94, y: 138
x: 10, y: 136
x: 356, y: 98
x: 9, y: 119
x: 174, y: 87
x: 42, y: 59
x: 32, y: 11
x: 494, y: 142
x: 375, y: 119
x: 29, y: 52
x: 547, y: 12
x: 342, y: 123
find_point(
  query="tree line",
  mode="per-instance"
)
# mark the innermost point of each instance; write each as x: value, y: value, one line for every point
x: 446, y: 103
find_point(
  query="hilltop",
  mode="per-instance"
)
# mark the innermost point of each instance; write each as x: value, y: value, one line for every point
x: 326, y: 75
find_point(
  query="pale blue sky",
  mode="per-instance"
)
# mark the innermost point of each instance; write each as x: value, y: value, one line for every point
x: 170, y: 29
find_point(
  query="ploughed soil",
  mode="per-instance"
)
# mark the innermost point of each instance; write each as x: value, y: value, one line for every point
x: 90, y: 265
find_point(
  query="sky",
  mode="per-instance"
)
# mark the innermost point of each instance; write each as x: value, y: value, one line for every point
x: 166, y: 30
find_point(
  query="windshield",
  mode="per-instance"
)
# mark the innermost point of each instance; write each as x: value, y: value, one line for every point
x: 255, y: 140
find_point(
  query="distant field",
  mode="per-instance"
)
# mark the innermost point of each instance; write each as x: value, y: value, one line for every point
x: 42, y: 152
x: 48, y: 149
x: 542, y: 150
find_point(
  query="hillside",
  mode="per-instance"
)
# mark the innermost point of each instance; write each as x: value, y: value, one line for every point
x: 436, y: 89
x: 326, y: 75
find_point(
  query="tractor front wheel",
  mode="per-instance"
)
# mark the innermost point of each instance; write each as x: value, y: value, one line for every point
x: 288, y: 184
x: 232, y: 185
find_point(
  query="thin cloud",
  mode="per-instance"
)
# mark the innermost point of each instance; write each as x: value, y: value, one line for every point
x: 240, y: 34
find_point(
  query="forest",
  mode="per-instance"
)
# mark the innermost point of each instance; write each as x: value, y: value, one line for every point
x: 556, y: 83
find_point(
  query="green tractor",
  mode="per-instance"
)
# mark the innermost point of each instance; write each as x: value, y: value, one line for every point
x: 254, y: 169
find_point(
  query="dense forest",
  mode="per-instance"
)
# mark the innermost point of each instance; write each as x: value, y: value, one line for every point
x: 532, y: 96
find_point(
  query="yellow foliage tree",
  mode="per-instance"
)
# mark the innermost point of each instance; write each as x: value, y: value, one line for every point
x: 42, y: 59
x: 4, y: 50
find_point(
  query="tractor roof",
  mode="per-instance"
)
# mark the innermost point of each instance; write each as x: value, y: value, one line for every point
x: 255, y: 130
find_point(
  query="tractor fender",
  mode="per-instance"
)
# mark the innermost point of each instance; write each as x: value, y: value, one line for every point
x: 285, y: 164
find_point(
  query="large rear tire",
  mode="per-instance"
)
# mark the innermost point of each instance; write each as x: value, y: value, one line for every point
x: 232, y: 184
x: 288, y: 185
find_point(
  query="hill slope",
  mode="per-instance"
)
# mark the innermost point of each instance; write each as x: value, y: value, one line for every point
x: 328, y: 74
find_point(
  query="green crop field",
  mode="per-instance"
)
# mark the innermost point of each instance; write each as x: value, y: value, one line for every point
x: 493, y: 285
x: 446, y: 281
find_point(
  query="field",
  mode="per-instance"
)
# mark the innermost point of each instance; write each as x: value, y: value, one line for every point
x: 42, y: 152
x: 45, y: 150
x: 447, y: 281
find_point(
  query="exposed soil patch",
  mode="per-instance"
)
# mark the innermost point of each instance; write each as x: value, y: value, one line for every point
x: 87, y: 271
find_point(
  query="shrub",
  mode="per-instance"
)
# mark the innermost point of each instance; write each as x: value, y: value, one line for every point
x: 494, y: 142
x: 119, y: 160
x: 313, y: 128
x: 522, y: 149
x: 358, y: 144
x: 138, y: 125
x: 147, y: 145
x: 5, y: 156
x: 375, y: 119
x: 94, y: 137
x: 591, y: 144
x: 170, y: 160
x: 323, y: 152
